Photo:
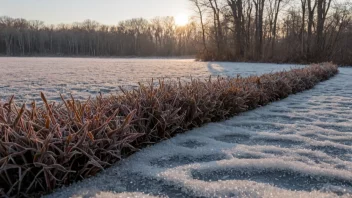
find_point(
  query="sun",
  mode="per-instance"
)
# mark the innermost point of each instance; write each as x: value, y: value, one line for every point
x: 181, y: 19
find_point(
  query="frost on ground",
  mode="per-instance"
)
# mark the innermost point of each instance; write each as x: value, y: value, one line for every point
x: 84, y: 77
x: 297, y: 147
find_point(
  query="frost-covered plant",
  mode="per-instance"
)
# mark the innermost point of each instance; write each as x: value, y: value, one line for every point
x: 48, y: 146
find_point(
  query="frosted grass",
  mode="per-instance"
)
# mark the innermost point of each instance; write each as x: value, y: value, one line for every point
x: 298, y: 147
x: 84, y: 77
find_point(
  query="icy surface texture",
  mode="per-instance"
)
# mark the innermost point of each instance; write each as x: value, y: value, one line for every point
x: 84, y: 77
x: 297, y: 147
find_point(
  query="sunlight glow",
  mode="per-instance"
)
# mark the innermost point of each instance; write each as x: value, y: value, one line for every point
x: 181, y: 19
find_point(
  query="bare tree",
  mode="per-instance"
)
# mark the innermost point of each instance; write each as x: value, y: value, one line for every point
x: 217, y: 26
x: 311, y: 10
x: 259, y: 10
x: 273, y: 32
x: 323, y: 7
x: 303, y: 6
x: 134, y: 37
x: 237, y: 13
x: 286, y: 36
x: 231, y: 30
x: 200, y: 11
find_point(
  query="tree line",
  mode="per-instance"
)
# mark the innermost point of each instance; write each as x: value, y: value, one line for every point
x: 275, y: 30
x: 135, y: 37
x: 300, y: 31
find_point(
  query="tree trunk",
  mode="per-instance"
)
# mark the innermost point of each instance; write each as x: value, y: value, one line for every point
x: 237, y: 12
x: 322, y: 10
x: 259, y: 9
x: 277, y: 3
x: 311, y: 10
x: 200, y: 12
x: 303, y: 4
x: 217, y: 25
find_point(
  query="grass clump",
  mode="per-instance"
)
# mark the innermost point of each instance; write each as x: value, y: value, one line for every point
x: 48, y: 146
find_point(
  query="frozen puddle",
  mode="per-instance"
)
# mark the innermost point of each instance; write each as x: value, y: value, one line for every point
x: 297, y: 147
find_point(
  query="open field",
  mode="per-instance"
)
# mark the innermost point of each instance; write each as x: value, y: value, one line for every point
x: 47, y: 146
x: 176, y: 98
x: 84, y: 77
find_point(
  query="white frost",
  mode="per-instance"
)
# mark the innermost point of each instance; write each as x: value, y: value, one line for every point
x: 84, y: 77
x: 298, y: 147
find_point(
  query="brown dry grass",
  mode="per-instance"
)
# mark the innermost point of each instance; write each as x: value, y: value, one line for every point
x: 49, y: 146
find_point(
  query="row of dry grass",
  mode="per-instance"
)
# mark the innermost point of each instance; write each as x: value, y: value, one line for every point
x: 48, y: 146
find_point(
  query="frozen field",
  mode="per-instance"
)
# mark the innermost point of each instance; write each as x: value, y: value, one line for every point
x: 83, y: 77
x: 298, y: 147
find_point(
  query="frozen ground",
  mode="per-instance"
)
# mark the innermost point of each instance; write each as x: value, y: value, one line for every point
x: 297, y: 147
x: 84, y: 77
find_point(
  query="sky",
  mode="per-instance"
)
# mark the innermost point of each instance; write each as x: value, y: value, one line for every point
x: 108, y: 12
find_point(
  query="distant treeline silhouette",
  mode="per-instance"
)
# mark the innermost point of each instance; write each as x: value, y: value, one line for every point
x: 301, y: 31
x: 136, y: 37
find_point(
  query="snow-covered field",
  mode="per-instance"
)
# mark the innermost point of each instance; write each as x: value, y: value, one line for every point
x: 298, y: 147
x: 84, y: 77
